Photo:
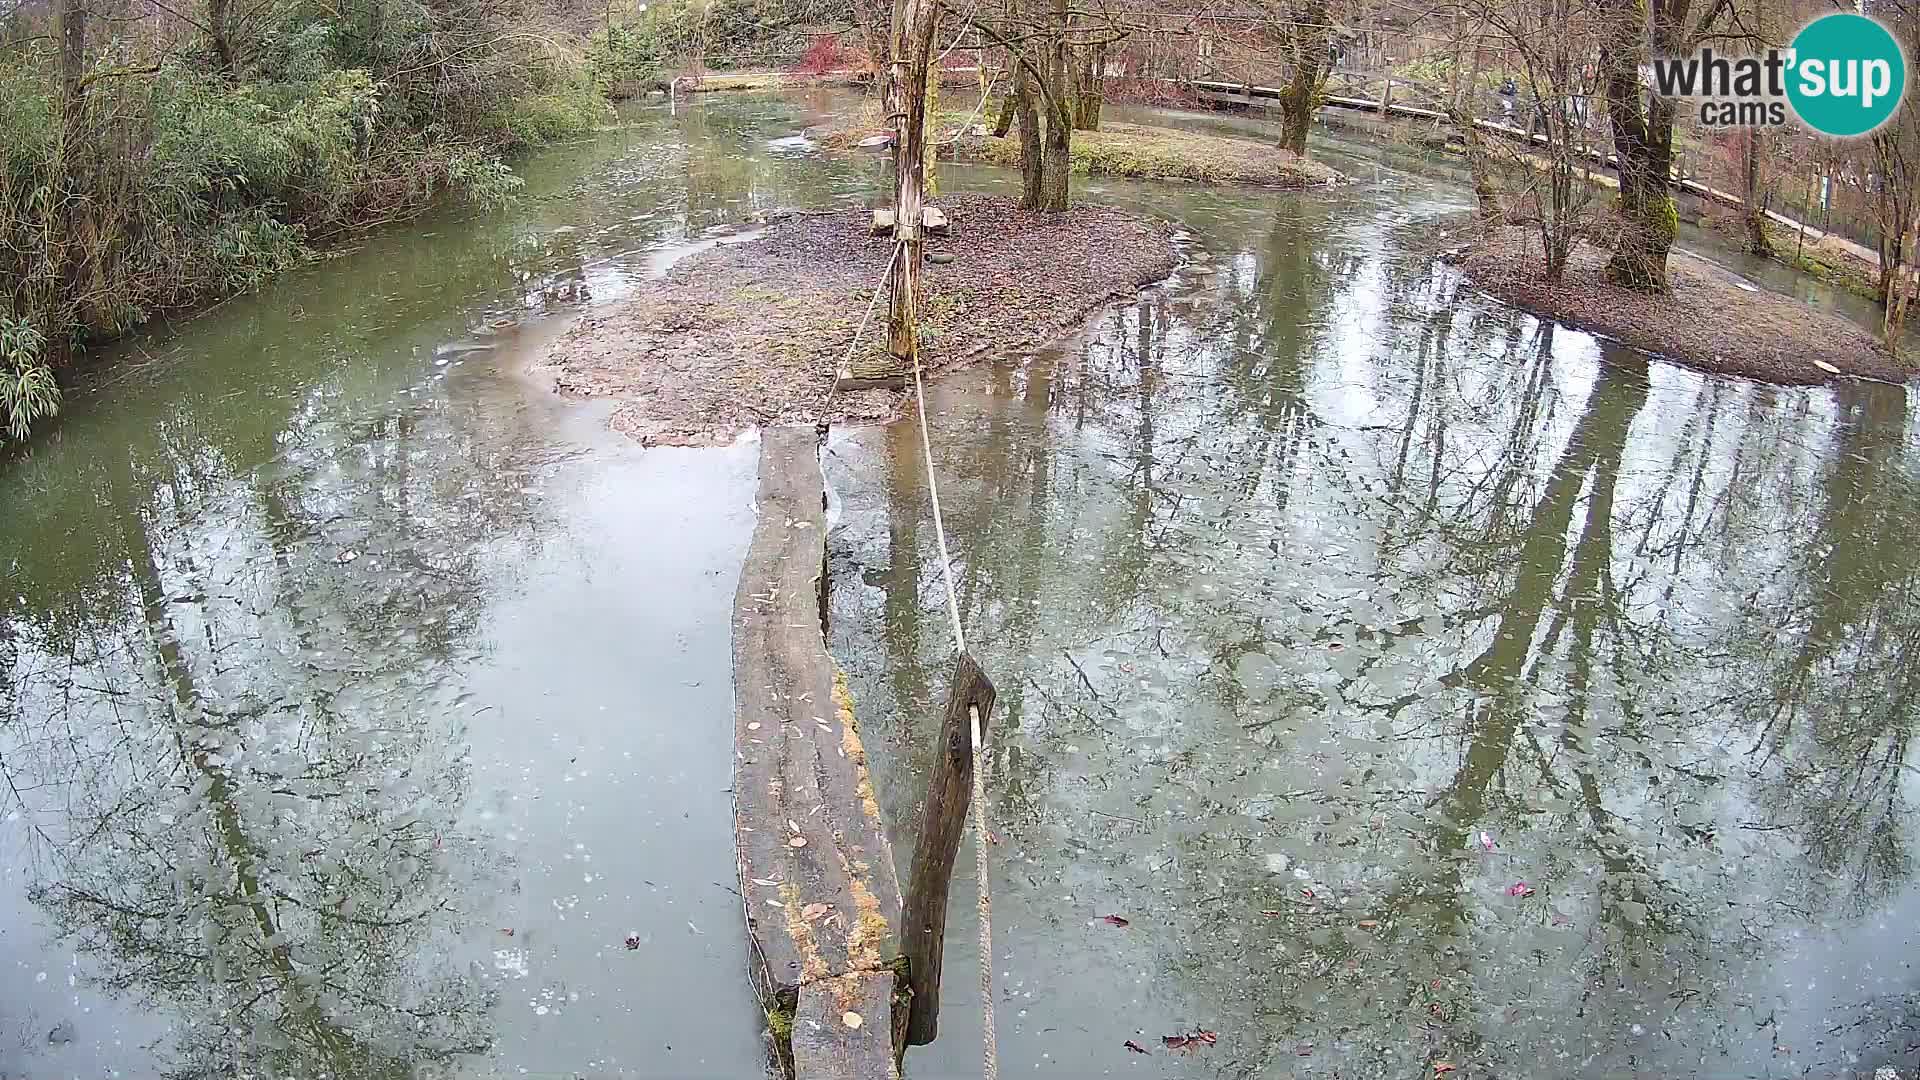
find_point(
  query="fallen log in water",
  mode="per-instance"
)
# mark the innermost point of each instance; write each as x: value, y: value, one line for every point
x: 816, y: 872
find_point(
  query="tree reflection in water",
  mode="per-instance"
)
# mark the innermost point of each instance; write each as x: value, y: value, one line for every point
x: 237, y: 756
x: 1321, y: 568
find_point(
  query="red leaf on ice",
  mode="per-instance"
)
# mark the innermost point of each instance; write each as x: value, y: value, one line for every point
x: 1519, y: 888
x: 1113, y: 920
x: 1135, y: 1047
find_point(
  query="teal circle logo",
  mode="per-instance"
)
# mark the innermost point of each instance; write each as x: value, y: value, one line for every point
x: 1848, y: 75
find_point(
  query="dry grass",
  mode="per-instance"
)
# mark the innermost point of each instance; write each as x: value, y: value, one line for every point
x: 1159, y: 153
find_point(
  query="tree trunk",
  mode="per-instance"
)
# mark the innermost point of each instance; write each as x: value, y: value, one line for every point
x: 218, y: 26
x: 1009, y: 106
x: 915, y: 22
x: 1056, y: 161
x: 73, y: 51
x: 1032, y: 149
x: 1648, y: 218
x: 1092, y: 95
x: 1643, y: 145
x: 1899, y: 292
x: 1017, y: 77
x: 1056, y: 168
x: 1893, y: 207
x: 1463, y: 111
x: 1298, y: 101
x: 50, y: 289
x: 1756, y: 208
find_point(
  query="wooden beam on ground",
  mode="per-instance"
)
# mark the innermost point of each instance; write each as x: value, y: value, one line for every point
x: 943, y: 819
x: 816, y: 873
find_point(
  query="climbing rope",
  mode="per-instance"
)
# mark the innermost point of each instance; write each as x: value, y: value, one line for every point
x: 990, y: 1053
x: 846, y: 362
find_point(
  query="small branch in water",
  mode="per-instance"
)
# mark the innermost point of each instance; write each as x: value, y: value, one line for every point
x: 1117, y: 817
x: 1088, y: 683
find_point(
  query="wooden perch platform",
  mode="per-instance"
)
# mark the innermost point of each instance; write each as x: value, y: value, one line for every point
x: 816, y: 872
x: 933, y: 218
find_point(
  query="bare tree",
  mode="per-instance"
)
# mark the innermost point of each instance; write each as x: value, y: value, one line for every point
x: 1753, y: 190
x: 1547, y: 183
x: 1305, y: 31
x: 1632, y: 32
x: 1057, y: 56
x: 1896, y: 166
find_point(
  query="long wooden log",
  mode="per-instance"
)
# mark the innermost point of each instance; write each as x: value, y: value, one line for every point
x: 943, y: 818
x: 817, y: 878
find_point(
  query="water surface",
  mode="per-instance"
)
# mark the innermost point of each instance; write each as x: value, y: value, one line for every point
x: 1425, y: 684
x: 364, y: 712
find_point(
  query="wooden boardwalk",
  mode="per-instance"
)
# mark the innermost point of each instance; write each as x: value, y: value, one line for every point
x: 816, y: 873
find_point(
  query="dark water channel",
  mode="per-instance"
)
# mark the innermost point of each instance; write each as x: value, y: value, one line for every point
x: 364, y: 712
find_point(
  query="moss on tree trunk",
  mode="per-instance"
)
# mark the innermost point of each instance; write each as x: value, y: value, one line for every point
x: 1004, y: 117
x: 1648, y: 217
x: 1642, y: 136
x: 1308, y: 29
x: 1092, y: 92
x: 1032, y: 158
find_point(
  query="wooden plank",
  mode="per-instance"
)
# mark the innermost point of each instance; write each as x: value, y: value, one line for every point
x: 841, y: 1028
x: 816, y: 873
x: 943, y: 819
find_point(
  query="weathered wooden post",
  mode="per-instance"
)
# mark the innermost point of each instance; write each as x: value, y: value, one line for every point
x: 913, y: 45
x: 1386, y: 96
x: 943, y: 818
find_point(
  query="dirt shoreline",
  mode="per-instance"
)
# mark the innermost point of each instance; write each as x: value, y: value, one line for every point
x: 1132, y: 151
x: 1709, y: 321
x: 754, y: 331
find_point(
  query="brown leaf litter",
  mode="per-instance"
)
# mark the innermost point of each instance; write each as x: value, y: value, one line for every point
x: 1708, y: 320
x: 753, y: 331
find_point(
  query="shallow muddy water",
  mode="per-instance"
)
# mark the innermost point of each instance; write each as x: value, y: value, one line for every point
x: 364, y: 712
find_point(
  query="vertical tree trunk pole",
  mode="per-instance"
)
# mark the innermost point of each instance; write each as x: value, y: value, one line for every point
x: 943, y: 818
x: 219, y: 27
x: 915, y: 21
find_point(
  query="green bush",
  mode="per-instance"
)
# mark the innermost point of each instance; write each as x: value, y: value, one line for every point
x: 625, y: 60
x: 27, y: 389
x: 550, y: 116
x: 170, y: 182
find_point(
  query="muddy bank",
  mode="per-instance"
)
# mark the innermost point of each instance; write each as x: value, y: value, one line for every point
x: 752, y: 332
x: 1709, y: 321
x: 1135, y: 151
